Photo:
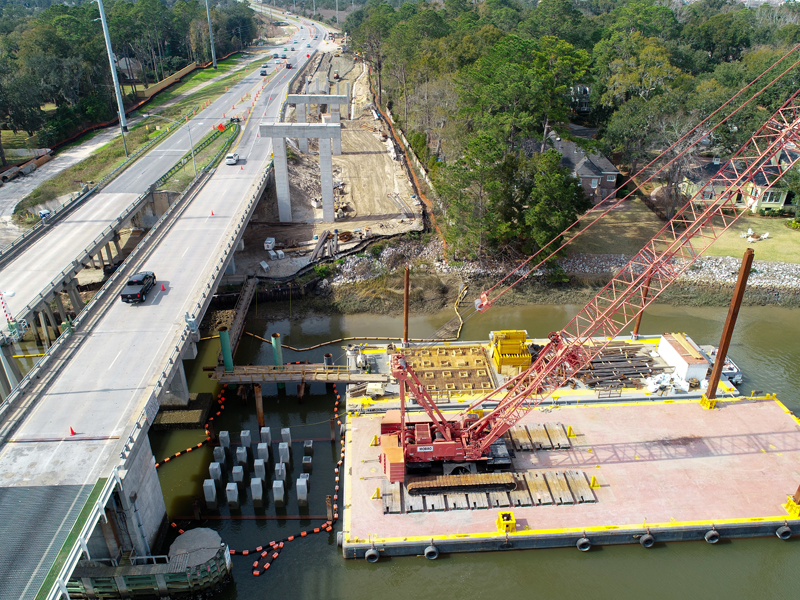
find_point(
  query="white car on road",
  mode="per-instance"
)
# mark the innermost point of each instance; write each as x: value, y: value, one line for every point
x: 232, y: 159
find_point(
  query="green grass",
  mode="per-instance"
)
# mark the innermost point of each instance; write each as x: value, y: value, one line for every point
x: 17, y: 141
x: 52, y: 574
x: 181, y: 178
x: 783, y: 244
x: 91, y: 169
x: 623, y: 231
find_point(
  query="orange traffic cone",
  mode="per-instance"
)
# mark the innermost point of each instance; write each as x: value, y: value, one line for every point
x: 212, y: 213
x: 71, y: 431
x: 163, y: 289
x: 241, y: 168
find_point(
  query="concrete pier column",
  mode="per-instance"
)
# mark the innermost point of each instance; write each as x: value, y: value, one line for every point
x: 95, y: 265
x: 210, y: 494
x: 116, y: 245
x: 45, y: 334
x: 302, y: 492
x: 349, y: 99
x: 336, y: 141
x: 260, y: 469
x: 75, y: 296
x: 241, y: 457
x: 308, y: 447
x: 326, y: 177
x: 225, y: 440
x: 307, y: 466
x: 307, y: 478
x: 52, y: 319
x: 266, y: 435
x: 247, y: 440
x: 262, y: 451
x: 257, y: 491
x: 178, y: 389
x: 279, y: 494
x: 108, y: 252
x: 302, y: 117
x: 219, y: 455
x: 283, y: 453
x: 231, y: 268
x: 282, y: 180
x: 34, y: 329
x: 286, y: 435
x: 215, y: 471
x: 280, y: 472
x: 60, y: 308
x: 100, y: 258
x: 232, y: 495
x: 237, y: 474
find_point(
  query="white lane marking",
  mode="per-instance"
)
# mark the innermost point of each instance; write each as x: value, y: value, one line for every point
x: 113, y: 361
x: 185, y: 251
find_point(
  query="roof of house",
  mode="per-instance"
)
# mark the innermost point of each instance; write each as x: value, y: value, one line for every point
x: 573, y: 157
x: 762, y: 178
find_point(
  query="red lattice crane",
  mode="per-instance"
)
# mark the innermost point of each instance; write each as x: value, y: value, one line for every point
x: 770, y: 153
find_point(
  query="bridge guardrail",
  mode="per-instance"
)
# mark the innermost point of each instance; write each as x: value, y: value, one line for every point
x: 9, y: 252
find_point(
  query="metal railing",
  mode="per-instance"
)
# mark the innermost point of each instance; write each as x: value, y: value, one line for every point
x: 81, y: 544
x: 33, y: 233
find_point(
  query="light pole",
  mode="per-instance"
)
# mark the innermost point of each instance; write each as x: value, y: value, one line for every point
x: 123, y: 123
x: 211, y: 35
x: 189, y: 129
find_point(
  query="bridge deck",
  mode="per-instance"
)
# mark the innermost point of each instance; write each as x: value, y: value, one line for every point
x: 286, y: 373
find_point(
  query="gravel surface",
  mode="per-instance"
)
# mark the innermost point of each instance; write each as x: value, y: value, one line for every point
x: 711, y: 270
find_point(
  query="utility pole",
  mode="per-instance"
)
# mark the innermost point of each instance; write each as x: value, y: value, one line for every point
x: 210, y: 35
x: 123, y: 123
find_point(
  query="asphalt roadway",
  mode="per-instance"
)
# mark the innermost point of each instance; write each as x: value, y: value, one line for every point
x: 102, y: 390
x: 28, y: 274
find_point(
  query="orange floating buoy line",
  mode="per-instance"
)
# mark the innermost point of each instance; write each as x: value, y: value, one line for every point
x: 266, y: 555
x: 220, y: 402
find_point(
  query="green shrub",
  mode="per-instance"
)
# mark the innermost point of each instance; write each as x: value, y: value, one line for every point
x: 324, y: 270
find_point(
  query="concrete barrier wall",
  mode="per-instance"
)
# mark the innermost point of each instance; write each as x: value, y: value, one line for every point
x: 167, y: 81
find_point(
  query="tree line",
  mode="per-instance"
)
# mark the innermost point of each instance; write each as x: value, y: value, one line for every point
x: 55, y: 56
x: 477, y: 87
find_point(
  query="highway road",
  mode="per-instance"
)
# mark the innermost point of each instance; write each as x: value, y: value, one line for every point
x: 102, y: 390
x: 36, y: 267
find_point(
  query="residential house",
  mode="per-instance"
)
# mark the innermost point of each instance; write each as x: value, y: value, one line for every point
x: 597, y: 174
x: 759, y: 189
x: 580, y: 98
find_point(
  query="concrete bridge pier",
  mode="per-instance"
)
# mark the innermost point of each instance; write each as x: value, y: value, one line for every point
x: 302, y: 117
x: 60, y: 308
x: 74, y: 296
x: 231, y: 268
x: 51, y: 318
x: 45, y: 334
x: 177, y: 391
x: 326, y: 177
x: 282, y: 179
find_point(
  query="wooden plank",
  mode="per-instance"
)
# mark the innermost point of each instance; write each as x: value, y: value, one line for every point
x: 435, y: 502
x: 457, y: 501
x: 498, y: 499
x: 539, y: 436
x: 515, y: 438
x: 413, y: 503
x: 522, y: 436
x: 557, y: 435
x: 478, y: 500
x: 390, y: 495
x: 540, y: 491
x: 580, y: 486
x: 520, y: 496
x: 558, y: 485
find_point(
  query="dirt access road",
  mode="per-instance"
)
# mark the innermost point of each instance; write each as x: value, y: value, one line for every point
x: 377, y: 195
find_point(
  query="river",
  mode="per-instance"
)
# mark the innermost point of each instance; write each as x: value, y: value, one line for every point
x: 765, y: 345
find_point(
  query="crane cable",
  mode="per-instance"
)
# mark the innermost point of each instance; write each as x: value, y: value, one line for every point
x: 593, y: 210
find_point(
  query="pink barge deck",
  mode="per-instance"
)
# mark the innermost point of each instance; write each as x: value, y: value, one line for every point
x: 671, y: 470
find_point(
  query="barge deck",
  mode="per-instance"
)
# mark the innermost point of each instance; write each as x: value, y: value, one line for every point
x: 669, y: 469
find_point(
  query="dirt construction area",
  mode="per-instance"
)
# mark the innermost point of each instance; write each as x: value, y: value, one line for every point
x: 373, y: 195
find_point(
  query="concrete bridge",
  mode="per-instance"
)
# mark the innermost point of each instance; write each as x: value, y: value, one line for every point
x: 106, y: 381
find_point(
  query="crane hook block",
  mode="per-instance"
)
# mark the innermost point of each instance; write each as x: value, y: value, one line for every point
x: 482, y: 303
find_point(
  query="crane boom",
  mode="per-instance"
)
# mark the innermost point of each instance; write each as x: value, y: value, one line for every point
x: 770, y: 153
x: 766, y: 157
